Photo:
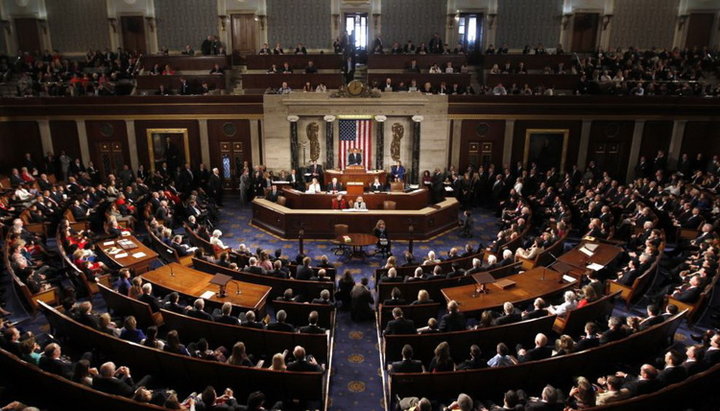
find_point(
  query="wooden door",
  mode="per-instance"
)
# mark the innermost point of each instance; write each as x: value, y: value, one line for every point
x: 585, y: 29
x: 243, y: 27
x: 232, y: 157
x: 699, y: 30
x: 28, y: 34
x: 110, y: 156
x: 133, y: 32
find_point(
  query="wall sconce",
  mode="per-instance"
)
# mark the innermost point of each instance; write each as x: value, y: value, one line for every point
x: 43, y: 25
x: 491, y: 19
x: 336, y: 20
x: 376, y: 20
x: 565, y: 20
x: 223, y: 21
x: 151, y: 23
x: 451, y: 20
x: 682, y: 19
x: 606, y: 20
x: 113, y: 23
x: 260, y: 18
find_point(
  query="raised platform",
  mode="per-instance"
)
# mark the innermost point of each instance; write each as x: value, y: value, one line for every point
x: 285, y: 222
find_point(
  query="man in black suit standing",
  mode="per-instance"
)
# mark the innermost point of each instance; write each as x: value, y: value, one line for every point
x: 185, y: 179
x: 436, y: 44
x: 315, y: 170
x: 454, y: 320
x: 355, y: 157
x: 214, y: 187
x: 407, y: 364
x: 361, y: 301
x: 399, y: 324
x: 348, y: 69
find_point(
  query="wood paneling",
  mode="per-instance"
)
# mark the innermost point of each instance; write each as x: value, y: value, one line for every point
x: 28, y: 34
x: 573, y: 145
x: 475, y: 133
x: 656, y: 136
x: 701, y: 137
x: 16, y: 139
x: 699, y: 30
x: 107, y: 131
x: 65, y: 138
x: 192, y: 127
x: 585, y: 30
x: 221, y: 130
x: 243, y: 28
x: 610, y: 146
x: 133, y: 32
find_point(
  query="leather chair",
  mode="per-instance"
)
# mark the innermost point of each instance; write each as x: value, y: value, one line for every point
x: 389, y: 205
x: 281, y: 200
x: 340, y: 247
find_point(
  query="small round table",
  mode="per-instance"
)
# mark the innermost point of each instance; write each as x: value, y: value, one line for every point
x: 357, y: 242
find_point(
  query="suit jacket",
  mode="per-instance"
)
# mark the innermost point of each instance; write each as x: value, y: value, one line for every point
x: 671, y: 375
x: 535, y: 314
x: 312, y: 329
x: 537, y: 353
x: 227, y: 319
x: 400, y: 326
x: 688, y: 295
x: 452, y: 322
x: 281, y: 327
x: 586, y: 343
x: 712, y: 357
x: 303, y: 366
x: 117, y: 386
x: 693, y: 367
x: 508, y: 319
x: 406, y: 366
x: 472, y: 364
x: 354, y: 159
x: 304, y: 273
x: 394, y: 301
x: 650, y: 321
x: 199, y: 314
x: 151, y: 301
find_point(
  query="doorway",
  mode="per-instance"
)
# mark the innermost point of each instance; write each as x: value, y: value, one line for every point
x: 699, y: 30
x: 242, y: 29
x: 232, y: 156
x: 356, y: 27
x: 470, y: 33
x: 585, y: 31
x: 28, y: 35
x: 133, y: 33
x: 110, y: 156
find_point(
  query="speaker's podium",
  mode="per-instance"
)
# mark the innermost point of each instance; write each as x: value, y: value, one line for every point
x: 355, y: 174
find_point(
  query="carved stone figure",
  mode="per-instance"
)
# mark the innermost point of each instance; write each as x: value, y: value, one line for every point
x: 397, y: 130
x: 312, y: 135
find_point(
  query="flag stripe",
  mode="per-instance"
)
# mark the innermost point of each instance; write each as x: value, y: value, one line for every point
x: 355, y: 134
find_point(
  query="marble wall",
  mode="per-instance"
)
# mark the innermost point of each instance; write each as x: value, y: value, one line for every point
x: 521, y: 22
x: 397, y: 107
x: 644, y: 23
x: 181, y: 22
x: 78, y: 25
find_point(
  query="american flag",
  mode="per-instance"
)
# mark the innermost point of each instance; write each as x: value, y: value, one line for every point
x: 355, y: 134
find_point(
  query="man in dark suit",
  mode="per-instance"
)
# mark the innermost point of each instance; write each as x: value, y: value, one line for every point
x: 148, y: 298
x: 454, y: 320
x: 184, y: 89
x: 456, y: 271
x: 391, y: 276
x: 510, y: 315
x: 361, y: 301
x: 172, y: 303
x: 348, y: 69
x: 214, y: 187
x: 198, y: 311
x: 225, y: 316
x: 280, y: 324
x: 354, y: 158
x: 273, y: 194
x: 694, y: 362
x: 399, y: 324
x: 615, y: 331
x: 253, y: 267
x: 316, y: 171
x: 653, y: 317
x: 85, y: 315
x: 407, y: 364
x: 52, y: 362
x: 396, y: 298
x: 689, y: 293
x: 324, y: 295
x: 548, y: 401
x: 590, y: 339
x: 301, y: 363
x: 304, y: 271
x: 674, y: 371
x: 539, y: 310
x: 712, y: 354
x: 413, y: 67
x: 645, y: 383
x: 117, y: 381
x: 250, y: 321
x: 475, y: 361
x: 334, y: 185
x: 541, y: 350
x: 312, y: 327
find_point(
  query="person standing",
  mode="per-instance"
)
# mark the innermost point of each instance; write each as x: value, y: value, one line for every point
x: 362, y: 300
x: 215, y: 187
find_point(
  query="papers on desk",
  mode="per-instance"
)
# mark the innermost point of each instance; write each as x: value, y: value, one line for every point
x: 568, y: 278
x: 595, y: 266
x: 125, y: 233
x: 121, y: 255
x: 586, y: 251
x: 448, y: 188
x: 207, y: 295
x: 139, y: 255
x: 354, y: 210
x: 307, y: 174
x: 281, y: 182
x: 106, y: 243
x: 413, y: 186
x: 591, y: 247
x: 112, y: 251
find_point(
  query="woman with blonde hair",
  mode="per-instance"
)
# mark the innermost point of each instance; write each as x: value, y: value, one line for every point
x: 278, y: 363
x: 423, y: 297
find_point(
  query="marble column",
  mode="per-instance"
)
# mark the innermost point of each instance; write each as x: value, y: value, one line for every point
x: 415, y: 176
x: 508, y: 142
x: 676, y: 140
x: 584, y: 143
x: 84, y: 144
x: 638, y: 131
x: 204, y: 142
x: 380, y: 142
x: 329, y: 142
x: 132, y: 142
x: 45, y: 136
x: 294, y: 143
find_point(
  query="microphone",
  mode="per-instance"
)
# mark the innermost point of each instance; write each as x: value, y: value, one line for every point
x: 172, y: 273
x: 237, y: 288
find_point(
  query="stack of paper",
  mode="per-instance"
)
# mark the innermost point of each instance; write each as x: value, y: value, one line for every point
x: 139, y: 255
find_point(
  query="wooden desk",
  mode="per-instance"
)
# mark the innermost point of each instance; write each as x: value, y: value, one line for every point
x: 137, y: 264
x: 363, y: 176
x: 186, y: 62
x: 414, y: 200
x: 576, y: 260
x: 296, y: 81
x: 420, y: 78
x: 286, y: 222
x: 357, y: 242
x: 402, y: 61
x: 297, y: 62
x: 194, y: 283
x: 215, y: 81
x: 532, y: 62
x: 530, y: 285
x: 558, y: 81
